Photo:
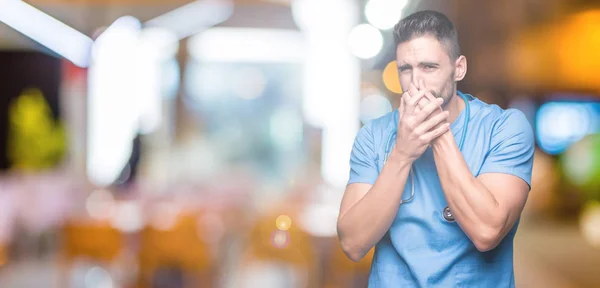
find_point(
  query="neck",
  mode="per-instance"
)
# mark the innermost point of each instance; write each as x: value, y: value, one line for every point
x: 454, y: 106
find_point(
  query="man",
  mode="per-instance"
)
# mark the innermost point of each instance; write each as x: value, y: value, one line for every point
x: 468, y: 162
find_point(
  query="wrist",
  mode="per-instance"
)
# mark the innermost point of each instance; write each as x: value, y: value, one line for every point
x: 443, y: 141
x: 400, y: 157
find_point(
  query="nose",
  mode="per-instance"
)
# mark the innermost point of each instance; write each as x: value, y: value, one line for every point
x: 417, y: 78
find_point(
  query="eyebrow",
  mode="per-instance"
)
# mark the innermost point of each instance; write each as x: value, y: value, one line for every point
x: 404, y: 66
x: 408, y: 66
x: 429, y: 64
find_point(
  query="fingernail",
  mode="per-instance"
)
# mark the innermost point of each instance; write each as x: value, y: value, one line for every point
x: 440, y: 100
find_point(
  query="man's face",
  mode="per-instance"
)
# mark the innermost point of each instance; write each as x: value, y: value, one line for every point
x: 424, y: 60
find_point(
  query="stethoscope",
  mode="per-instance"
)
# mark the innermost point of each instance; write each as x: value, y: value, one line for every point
x: 447, y: 214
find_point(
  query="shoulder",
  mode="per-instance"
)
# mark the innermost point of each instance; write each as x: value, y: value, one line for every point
x: 497, y: 116
x: 383, y: 124
x: 504, y: 122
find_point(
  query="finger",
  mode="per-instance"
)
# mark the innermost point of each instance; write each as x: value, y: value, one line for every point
x: 405, y: 104
x: 414, y: 99
x: 432, y: 122
x: 421, y: 84
x: 430, y: 97
x: 401, y: 108
x: 437, y: 132
x: 429, y: 108
x: 423, y: 102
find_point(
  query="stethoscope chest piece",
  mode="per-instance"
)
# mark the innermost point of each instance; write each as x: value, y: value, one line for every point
x: 447, y: 214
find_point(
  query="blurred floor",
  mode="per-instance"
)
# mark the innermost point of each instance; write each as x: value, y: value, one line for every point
x: 548, y: 254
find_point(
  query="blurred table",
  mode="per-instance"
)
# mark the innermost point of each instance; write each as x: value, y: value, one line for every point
x: 551, y: 254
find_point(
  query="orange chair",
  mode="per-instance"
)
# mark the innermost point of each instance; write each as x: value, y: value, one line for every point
x: 95, y: 240
x: 92, y: 240
x: 3, y: 256
x: 180, y: 247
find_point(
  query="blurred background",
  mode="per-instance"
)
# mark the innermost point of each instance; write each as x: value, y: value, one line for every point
x: 155, y: 143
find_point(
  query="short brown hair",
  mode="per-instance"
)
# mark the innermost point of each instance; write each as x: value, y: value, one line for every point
x: 428, y: 22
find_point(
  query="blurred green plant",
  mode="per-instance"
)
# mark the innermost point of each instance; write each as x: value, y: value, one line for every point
x: 35, y: 140
x: 581, y: 166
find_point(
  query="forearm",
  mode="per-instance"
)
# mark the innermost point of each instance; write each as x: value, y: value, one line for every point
x: 363, y: 225
x: 474, y: 207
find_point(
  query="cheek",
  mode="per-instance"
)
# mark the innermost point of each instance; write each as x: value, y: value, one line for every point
x: 438, y: 82
x: 434, y: 83
x: 405, y: 80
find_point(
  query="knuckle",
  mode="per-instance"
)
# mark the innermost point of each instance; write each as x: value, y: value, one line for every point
x: 431, y: 106
x: 412, y: 123
x: 408, y: 124
x: 412, y: 127
x: 417, y: 131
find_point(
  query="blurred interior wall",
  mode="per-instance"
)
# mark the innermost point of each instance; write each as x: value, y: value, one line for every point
x: 21, y: 70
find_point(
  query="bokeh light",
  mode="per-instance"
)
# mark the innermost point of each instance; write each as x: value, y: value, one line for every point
x: 128, y: 217
x: 280, y: 239
x: 100, y: 204
x: 283, y: 222
x: 560, y: 124
x: 391, y: 79
x: 320, y: 219
x: 581, y: 164
x: 165, y: 215
x: 384, y: 14
x: 374, y: 106
x: 98, y: 277
x: 576, y: 48
x: 590, y: 223
x: 365, y: 41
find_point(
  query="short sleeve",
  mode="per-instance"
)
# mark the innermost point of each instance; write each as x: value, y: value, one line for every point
x: 512, y: 146
x: 363, y: 168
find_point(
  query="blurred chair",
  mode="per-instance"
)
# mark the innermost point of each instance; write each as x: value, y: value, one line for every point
x: 176, y: 256
x: 90, y: 240
x: 278, y: 257
x: 345, y: 273
x: 95, y: 240
x: 3, y: 255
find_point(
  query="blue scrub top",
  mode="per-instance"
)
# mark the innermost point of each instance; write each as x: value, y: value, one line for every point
x: 421, y: 249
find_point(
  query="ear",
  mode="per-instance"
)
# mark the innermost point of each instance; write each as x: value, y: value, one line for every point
x: 460, y: 68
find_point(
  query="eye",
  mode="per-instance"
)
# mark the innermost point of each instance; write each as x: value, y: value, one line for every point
x: 429, y: 68
x: 405, y: 69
